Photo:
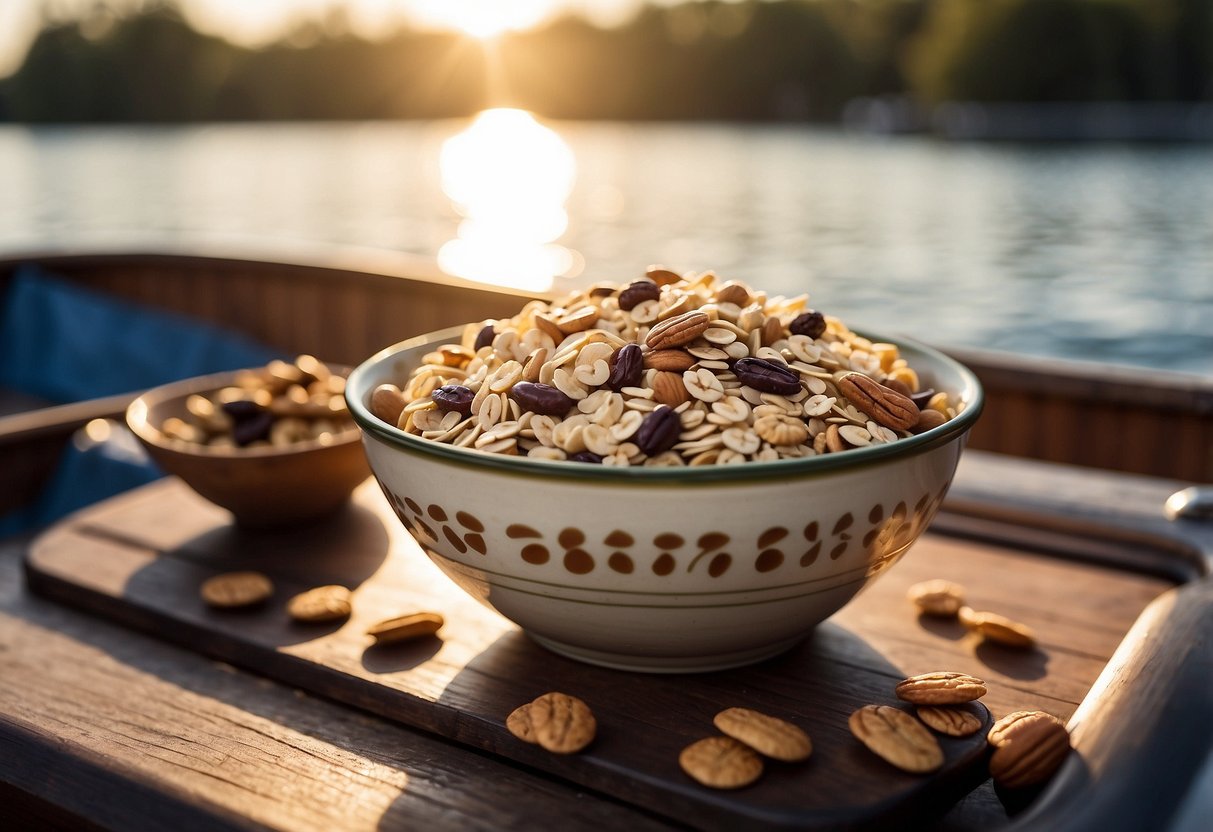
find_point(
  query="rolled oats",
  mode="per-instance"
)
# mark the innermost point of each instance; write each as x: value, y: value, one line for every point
x: 755, y: 378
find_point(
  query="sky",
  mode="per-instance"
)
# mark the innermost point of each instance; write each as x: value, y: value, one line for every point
x: 253, y: 22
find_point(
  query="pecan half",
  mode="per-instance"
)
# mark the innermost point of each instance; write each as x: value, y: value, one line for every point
x: 1028, y: 747
x: 885, y: 406
x: 678, y: 331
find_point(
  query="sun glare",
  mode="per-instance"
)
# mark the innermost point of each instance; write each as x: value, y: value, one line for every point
x: 508, y: 177
x: 483, y: 18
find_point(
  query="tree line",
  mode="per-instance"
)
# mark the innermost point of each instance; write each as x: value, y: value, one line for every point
x: 749, y: 60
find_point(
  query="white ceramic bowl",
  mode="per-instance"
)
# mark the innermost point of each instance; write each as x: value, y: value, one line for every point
x: 664, y: 569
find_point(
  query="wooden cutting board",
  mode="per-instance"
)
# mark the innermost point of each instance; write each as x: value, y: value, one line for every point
x: 139, y: 559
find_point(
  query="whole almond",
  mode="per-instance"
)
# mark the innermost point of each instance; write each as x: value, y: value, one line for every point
x: 897, y: 738
x: 1000, y: 629
x: 885, y: 406
x: 563, y: 724
x: 943, y: 687
x: 953, y: 720
x: 721, y: 763
x: 386, y: 402
x: 768, y: 735
x: 834, y: 440
x: 677, y: 331
x: 937, y: 597
x: 405, y: 627
x: 928, y: 419
x: 669, y: 389
x: 1029, y: 746
x: 674, y: 361
x: 772, y: 330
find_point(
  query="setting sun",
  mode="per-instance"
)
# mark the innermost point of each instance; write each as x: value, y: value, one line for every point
x: 483, y: 18
x: 508, y: 176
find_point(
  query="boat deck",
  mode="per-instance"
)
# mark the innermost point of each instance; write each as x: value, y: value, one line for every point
x: 226, y: 738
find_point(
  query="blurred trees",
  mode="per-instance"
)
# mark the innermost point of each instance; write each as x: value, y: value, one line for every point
x: 753, y: 59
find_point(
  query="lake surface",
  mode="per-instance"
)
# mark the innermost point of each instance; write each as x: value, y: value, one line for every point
x: 1093, y: 252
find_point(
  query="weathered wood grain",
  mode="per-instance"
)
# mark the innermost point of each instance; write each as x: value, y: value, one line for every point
x: 106, y: 728
x: 140, y: 559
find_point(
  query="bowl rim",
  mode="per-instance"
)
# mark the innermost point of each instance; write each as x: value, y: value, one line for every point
x: 373, y: 427
x: 139, y: 410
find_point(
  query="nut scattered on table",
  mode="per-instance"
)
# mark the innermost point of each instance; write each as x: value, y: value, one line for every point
x: 937, y: 597
x: 721, y: 763
x: 897, y: 738
x: 998, y: 628
x: 953, y: 720
x: 519, y: 724
x: 943, y: 687
x: 319, y: 604
x: 563, y: 724
x: 236, y: 589
x: 405, y: 627
x: 1029, y: 746
x: 770, y: 736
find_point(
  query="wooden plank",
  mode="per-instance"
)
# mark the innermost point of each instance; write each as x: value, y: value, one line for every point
x: 103, y: 728
x: 1144, y: 736
x: 121, y: 561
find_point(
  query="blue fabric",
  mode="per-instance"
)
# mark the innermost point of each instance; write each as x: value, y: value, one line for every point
x: 66, y: 343
x: 89, y: 470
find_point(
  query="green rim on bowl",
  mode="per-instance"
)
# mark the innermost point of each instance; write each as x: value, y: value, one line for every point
x: 358, y: 389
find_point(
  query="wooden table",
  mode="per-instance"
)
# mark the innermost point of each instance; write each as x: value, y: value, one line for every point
x: 105, y: 727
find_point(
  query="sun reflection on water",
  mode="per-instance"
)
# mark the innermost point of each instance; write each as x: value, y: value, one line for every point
x: 508, y: 176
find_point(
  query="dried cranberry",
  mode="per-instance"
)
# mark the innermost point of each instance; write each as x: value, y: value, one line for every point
x: 922, y: 397
x: 637, y: 293
x: 242, y: 409
x: 627, y: 367
x: 484, y: 337
x: 659, y: 431
x: 254, y: 428
x: 454, y: 397
x: 767, y: 376
x: 811, y: 323
x: 543, y: 399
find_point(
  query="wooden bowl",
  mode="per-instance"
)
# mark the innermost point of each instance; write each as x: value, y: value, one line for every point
x: 261, y: 486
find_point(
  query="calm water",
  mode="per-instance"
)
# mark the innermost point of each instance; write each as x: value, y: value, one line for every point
x: 1101, y: 253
